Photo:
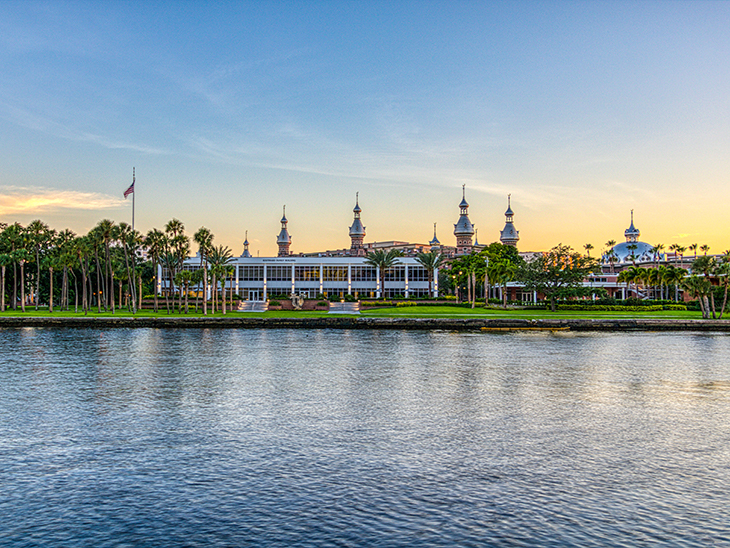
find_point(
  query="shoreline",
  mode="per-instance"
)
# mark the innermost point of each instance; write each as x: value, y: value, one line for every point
x: 354, y: 322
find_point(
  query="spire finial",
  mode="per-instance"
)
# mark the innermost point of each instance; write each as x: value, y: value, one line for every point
x: 434, y: 230
x: 357, y: 198
x: 632, y: 216
x: 463, y: 191
x: 509, y: 200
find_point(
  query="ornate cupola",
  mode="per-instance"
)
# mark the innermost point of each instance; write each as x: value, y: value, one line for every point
x: 463, y: 229
x: 632, y: 234
x: 246, y: 252
x: 509, y: 236
x: 284, y: 240
x: 357, y: 231
x: 435, y: 244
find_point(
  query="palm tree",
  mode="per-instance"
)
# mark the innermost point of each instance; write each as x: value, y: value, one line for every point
x: 220, y: 257
x: 430, y: 261
x: 39, y: 236
x: 704, y: 248
x: 383, y: 260
x: 722, y: 271
x: 183, y: 279
x: 129, y: 239
x: 693, y: 247
x: 588, y: 248
x: 657, y: 250
x: 204, y: 238
x: 632, y: 247
x: 699, y: 287
x: 502, y: 272
x: 169, y: 262
x: 156, y: 243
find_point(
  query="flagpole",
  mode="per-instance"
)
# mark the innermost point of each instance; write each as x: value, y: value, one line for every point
x: 133, y: 195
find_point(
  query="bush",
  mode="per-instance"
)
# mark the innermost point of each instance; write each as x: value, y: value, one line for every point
x: 322, y: 303
x: 350, y: 299
x: 405, y: 303
x: 376, y: 303
x: 334, y: 298
x: 274, y: 303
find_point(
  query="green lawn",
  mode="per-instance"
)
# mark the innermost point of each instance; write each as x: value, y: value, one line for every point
x: 405, y: 312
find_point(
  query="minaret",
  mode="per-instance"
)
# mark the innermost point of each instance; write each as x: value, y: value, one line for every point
x: 632, y: 234
x: 509, y: 236
x: 476, y: 237
x: 246, y: 252
x: 357, y: 231
x: 284, y: 240
x: 463, y: 229
x: 435, y: 244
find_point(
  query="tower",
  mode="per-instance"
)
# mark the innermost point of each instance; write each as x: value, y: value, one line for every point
x: 246, y: 252
x: 357, y: 231
x: 463, y: 229
x: 284, y: 240
x: 435, y: 244
x: 632, y: 234
x: 509, y: 236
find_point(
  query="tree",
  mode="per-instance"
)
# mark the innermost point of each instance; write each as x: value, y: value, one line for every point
x: 204, y: 238
x: 588, y: 248
x: 704, y: 248
x: 693, y: 247
x: 39, y: 235
x: 384, y: 260
x: 557, y: 272
x: 502, y: 272
x: 699, y: 287
x: 156, y: 243
x: 430, y: 261
x: 722, y: 271
x: 220, y: 257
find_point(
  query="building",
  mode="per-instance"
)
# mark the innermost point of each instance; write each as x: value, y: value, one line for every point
x: 339, y: 272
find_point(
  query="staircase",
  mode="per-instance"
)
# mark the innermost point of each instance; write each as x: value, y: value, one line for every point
x: 252, y: 306
x: 344, y: 308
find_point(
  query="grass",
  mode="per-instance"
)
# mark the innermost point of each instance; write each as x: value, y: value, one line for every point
x: 405, y: 312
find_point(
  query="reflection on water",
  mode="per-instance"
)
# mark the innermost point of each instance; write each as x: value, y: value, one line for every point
x: 189, y: 437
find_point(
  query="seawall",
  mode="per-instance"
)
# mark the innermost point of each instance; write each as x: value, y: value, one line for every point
x: 354, y: 322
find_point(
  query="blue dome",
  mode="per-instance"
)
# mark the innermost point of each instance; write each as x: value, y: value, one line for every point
x: 642, y: 253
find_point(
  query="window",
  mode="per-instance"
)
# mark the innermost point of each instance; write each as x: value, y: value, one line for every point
x: 278, y: 273
x: 334, y: 273
x: 364, y: 274
x: 251, y: 273
x: 306, y: 273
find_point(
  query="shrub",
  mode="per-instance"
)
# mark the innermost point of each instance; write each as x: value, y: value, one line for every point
x: 350, y: 299
x: 322, y: 303
x: 406, y: 303
x: 274, y: 303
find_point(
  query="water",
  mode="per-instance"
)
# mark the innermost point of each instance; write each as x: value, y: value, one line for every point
x: 192, y: 437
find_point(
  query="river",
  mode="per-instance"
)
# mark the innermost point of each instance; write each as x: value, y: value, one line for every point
x: 226, y: 437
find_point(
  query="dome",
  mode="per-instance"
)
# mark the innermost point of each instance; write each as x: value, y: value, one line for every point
x: 464, y: 227
x: 643, y: 252
x: 357, y: 229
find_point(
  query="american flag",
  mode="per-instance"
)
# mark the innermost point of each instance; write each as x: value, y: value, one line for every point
x: 130, y: 190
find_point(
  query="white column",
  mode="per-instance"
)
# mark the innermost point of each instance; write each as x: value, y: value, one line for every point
x: 237, y: 291
x: 435, y: 282
x: 406, y: 278
x: 378, y: 290
x: 321, y: 284
x: 292, y: 279
x: 349, y: 279
x: 264, y: 296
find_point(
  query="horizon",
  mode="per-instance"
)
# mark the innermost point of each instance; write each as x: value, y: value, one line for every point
x: 582, y: 112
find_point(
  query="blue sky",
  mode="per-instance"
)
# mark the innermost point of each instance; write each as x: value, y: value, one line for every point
x: 581, y: 110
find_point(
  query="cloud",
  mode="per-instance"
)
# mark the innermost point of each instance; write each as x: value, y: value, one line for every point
x: 32, y: 200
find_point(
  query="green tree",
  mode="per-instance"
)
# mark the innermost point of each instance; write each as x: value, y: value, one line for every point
x: 156, y: 244
x: 557, y: 272
x: 384, y: 260
x: 431, y: 262
x: 204, y: 238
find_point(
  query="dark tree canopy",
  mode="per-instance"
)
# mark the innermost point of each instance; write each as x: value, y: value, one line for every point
x: 557, y: 273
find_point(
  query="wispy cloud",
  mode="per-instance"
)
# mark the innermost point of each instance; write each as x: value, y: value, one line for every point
x: 43, y: 124
x: 32, y: 200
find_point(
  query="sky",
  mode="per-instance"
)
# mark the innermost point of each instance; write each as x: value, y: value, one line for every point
x: 582, y: 111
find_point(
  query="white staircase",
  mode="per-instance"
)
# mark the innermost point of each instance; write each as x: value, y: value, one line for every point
x: 344, y: 308
x: 252, y: 306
